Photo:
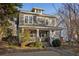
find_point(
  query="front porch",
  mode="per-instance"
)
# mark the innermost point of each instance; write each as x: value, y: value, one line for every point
x: 41, y: 33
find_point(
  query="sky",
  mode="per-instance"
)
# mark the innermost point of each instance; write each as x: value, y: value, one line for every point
x: 49, y: 8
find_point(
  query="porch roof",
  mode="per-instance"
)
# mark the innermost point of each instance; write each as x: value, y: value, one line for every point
x: 42, y: 27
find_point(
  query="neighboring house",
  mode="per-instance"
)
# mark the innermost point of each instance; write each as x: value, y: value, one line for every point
x: 64, y: 32
x: 40, y: 25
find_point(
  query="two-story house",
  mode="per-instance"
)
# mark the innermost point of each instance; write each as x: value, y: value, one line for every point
x: 39, y: 24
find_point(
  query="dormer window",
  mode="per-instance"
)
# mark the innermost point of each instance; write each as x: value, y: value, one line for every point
x: 37, y: 10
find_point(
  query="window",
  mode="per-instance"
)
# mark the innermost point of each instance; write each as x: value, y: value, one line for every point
x: 46, y: 22
x: 40, y: 21
x: 38, y: 11
x: 21, y: 21
x: 53, y: 21
x: 30, y: 19
x: 26, y: 19
x: 34, y: 19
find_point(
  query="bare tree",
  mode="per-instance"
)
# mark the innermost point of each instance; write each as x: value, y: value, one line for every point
x: 69, y: 14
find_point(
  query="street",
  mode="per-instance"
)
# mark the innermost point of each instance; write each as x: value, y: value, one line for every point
x: 40, y: 53
x: 49, y: 52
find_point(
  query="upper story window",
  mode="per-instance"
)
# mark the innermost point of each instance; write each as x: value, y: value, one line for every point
x: 34, y: 19
x: 21, y: 21
x: 53, y: 21
x: 40, y: 21
x: 30, y: 19
x: 47, y: 22
x: 26, y: 19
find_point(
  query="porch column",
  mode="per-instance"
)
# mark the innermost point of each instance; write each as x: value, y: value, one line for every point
x: 22, y: 31
x: 50, y: 35
x: 38, y: 34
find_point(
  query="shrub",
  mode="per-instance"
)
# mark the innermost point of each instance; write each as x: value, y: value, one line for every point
x: 56, y: 43
x: 25, y: 38
x: 47, y: 39
x: 4, y: 38
x: 32, y: 44
x: 12, y: 40
x: 38, y: 44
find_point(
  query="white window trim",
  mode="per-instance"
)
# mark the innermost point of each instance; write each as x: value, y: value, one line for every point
x: 28, y: 22
x: 53, y: 23
x: 41, y: 18
x: 48, y: 21
x: 25, y: 20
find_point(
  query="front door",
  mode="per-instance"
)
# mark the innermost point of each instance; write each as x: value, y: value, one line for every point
x: 43, y: 34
